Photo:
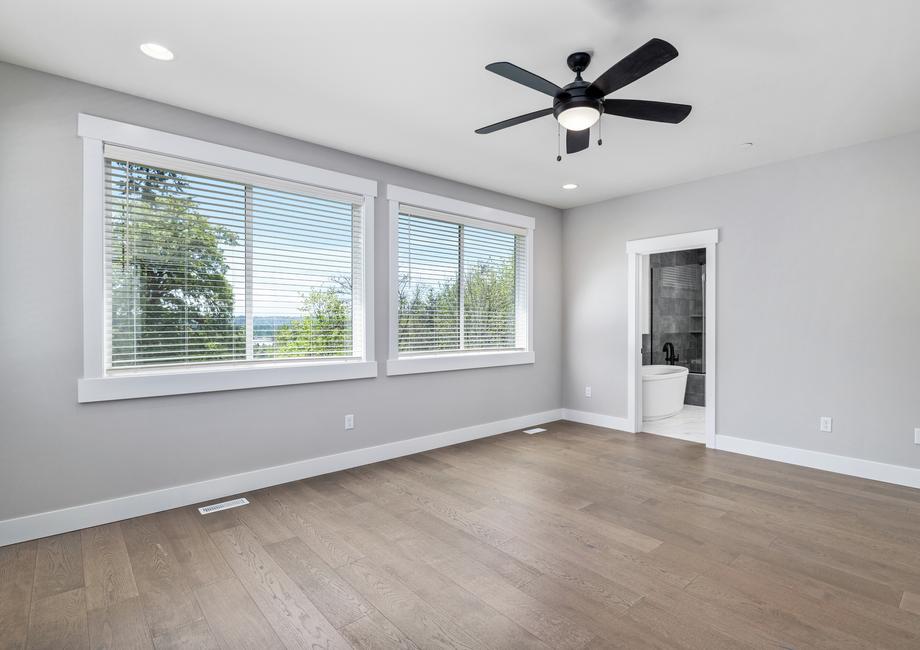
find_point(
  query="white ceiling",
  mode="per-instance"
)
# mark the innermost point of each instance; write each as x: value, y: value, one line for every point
x: 403, y: 80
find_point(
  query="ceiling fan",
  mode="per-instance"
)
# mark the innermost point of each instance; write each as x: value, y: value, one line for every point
x: 579, y: 105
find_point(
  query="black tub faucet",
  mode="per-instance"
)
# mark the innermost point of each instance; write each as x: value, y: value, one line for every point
x: 669, y: 357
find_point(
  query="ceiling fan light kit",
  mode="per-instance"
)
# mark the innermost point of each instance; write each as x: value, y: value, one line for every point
x: 579, y: 105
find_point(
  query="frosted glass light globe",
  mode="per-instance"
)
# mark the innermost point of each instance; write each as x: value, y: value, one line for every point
x: 579, y: 118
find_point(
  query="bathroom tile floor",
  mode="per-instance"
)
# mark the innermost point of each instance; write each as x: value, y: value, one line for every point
x: 689, y: 424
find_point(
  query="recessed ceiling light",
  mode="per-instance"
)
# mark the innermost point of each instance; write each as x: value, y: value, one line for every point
x: 157, y: 51
x: 570, y: 186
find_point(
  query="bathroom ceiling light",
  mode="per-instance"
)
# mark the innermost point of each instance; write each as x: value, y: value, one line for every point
x: 157, y: 51
x: 570, y: 186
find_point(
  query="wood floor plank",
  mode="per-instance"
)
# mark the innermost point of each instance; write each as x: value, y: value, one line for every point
x: 167, y: 599
x: 859, y: 626
x: 830, y: 595
x: 295, y: 619
x: 196, y: 635
x: 118, y: 625
x: 58, y: 621
x: 543, y: 622
x: 233, y: 617
x: 107, y: 569
x: 512, y: 570
x: 17, y: 570
x: 376, y: 632
x: 485, y: 624
x: 334, y: 597
x: 681, y: 630
x: 910, y: 602
x: 312, y: 523
x: 615, y: 596
x: 426, y: 627
x: 58, y: 565
x: 196, y: 553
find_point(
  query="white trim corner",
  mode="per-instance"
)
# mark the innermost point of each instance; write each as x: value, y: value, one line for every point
x: 597, y: 419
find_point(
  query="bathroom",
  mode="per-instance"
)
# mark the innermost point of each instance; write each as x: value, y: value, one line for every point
x: 674, y: 343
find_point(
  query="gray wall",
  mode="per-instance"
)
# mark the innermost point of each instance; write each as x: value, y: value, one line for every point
x: 818, y: 297
x: 56, y: 453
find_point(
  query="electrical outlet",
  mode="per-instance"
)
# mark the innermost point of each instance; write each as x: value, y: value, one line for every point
x: 349, y: 421
x: 917, y: 436
x: 826, y: 424
x: 587, y: 391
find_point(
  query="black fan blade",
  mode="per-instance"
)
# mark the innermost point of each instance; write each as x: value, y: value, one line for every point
x: 521, y: 76
x: 640, y: 109
x: 520, y: 119
x: 576, y: 141
x: 647, y: 58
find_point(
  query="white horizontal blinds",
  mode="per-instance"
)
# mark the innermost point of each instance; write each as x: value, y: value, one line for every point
x: 488, y: 289
x: 462, y: 287
x: 429, y: 285
x: 174, y: 244
x: 303, y: 256
x: 201, y: 269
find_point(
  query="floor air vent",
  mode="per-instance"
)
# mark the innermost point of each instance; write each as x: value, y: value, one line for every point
x: 226, y: 505
x: 534, y: 430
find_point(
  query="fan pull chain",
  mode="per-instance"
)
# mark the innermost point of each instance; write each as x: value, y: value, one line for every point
x: 558, y: 143
x: 600, y: 133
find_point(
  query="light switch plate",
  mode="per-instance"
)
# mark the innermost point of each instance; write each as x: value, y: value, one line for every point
x: 826, y: 424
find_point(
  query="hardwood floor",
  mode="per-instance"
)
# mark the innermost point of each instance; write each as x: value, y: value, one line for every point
x: 575, y: 538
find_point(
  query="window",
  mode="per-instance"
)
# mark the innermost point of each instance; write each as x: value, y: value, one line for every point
x: 462, y: 285
x: 210, y: 269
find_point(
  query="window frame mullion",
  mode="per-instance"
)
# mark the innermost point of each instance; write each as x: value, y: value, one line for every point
x: 461, y: 286
x: 248, y: 271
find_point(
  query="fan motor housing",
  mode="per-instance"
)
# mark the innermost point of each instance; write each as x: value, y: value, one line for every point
x: 574, y: 95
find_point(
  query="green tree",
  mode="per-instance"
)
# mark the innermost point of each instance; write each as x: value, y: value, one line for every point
x: 489, y: 306
x: 429, y: 317
x: 324, y: 329
x: 171, y: 298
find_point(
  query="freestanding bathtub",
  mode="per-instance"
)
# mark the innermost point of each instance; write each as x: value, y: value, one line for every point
x: 663, y: 390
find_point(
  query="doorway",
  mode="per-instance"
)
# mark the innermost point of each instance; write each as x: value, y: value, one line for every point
x: 671, y: 328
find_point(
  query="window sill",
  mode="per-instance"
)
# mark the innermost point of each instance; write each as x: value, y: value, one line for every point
x: 462, y: 361
x: 154, y: 384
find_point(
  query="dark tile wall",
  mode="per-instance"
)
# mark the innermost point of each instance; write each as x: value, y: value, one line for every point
x: 696, y: 389
x: 677, y: 315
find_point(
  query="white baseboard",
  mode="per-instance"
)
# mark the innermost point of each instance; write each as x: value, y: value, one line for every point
x: 870, y: 469
x: 102, y: 512
x: 597, y: 419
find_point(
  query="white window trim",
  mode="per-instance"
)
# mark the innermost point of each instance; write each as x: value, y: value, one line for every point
x: 95, y: 385
x: 464, y: 213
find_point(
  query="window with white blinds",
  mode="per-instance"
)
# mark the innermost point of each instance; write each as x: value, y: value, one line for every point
x: 210, y: 266
x: 462, y: 284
